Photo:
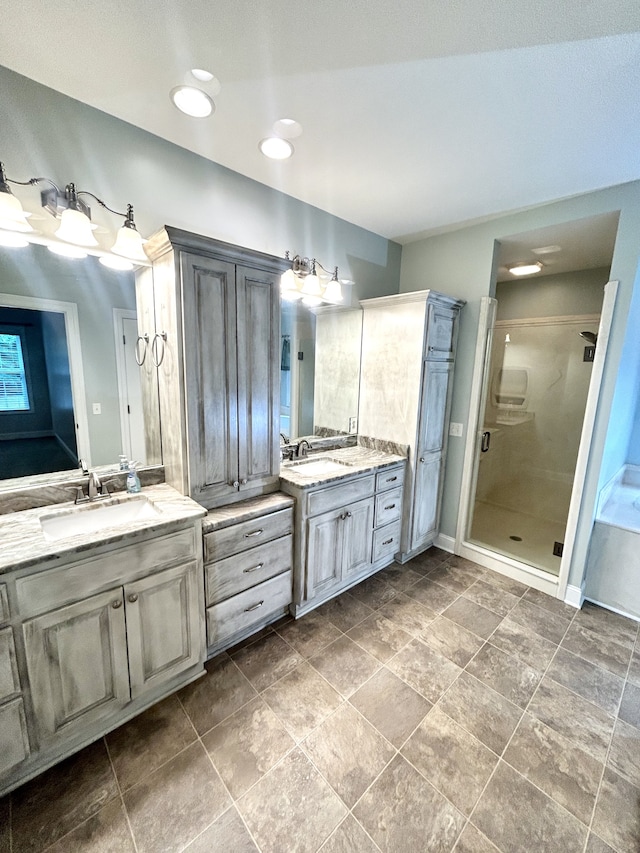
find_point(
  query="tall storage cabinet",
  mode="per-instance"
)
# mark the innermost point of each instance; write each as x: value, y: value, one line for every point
x: 215, y: 344
x: 408, y: 353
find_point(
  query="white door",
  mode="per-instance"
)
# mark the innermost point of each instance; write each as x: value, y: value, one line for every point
x: 129, y: 387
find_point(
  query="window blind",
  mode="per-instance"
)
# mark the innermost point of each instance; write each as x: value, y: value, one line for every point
x: 14, y: 396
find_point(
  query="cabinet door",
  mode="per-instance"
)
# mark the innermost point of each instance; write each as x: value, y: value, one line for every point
x: 77, y: 664
x: 164, y: 627
x: 14, y: 743
x: 324, y: 552
x: 441, y: 332
x: 432, y: 424
x: 426, y: 504
x: 258, y: 301
x: 211, y: 377
x: 357, y: 537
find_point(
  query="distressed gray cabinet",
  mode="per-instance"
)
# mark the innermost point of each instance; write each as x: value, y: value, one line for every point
x: 216, y: 341
x: 408, y: 353
x: 248, y: 568
x: 93, y: 640
x: 345, y: 530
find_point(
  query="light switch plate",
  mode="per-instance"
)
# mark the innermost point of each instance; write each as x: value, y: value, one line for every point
x: 97, y: 408
x: 353, y: 425
x: 455, y: 429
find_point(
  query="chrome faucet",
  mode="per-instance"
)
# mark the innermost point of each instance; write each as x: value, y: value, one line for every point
x: 303, y: 448
x: 94, y: 488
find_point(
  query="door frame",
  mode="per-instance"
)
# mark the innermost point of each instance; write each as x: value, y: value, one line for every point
x: 69, y: 310
x: 556, y: 586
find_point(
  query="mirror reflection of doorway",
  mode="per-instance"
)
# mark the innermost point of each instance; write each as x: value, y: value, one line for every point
x: 537, y: 371
x: 37, y: 426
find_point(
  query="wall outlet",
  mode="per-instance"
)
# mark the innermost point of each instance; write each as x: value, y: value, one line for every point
x: 97, y: 408
x: 455, y: 429
x: 353, y: 425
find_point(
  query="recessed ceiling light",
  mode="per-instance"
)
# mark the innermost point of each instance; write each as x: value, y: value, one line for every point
x: 287, y: 128
x: 202, y: 75
x: 546, y: 250
x: 525, y: 269
x: 191, y: 101
x: 276, y: 148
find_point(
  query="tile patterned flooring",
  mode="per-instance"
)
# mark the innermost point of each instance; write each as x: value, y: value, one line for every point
x: 437, y: 707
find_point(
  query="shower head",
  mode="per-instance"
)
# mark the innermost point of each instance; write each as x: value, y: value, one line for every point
x: 591, y: 337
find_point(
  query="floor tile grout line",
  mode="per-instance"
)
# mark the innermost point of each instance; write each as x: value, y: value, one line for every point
x: 121, y: 793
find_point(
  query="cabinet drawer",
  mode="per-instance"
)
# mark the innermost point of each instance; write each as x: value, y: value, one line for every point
x: 241, y: 571
x: 48, y: 590
x: 334, y: 497
x: 14, y: 743
x: 390, y: 479
x: 248, y: 608
x: 9, y: 681
x: 247, y: 534
x: 388, y: 507
x: 386, y: 541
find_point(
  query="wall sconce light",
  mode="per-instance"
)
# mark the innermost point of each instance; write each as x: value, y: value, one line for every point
x: 75, y: 231
x: 302, y: 282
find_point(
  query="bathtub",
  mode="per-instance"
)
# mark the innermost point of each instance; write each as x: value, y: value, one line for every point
x: 613, y: 562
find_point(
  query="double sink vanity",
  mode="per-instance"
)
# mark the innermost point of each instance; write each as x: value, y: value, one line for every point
x: 110, y: 605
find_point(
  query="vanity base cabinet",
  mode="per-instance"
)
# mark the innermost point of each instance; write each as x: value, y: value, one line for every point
x: 344, y: 533
x: 408, y: 351
x: 97, y: 640
x: 248, y: 568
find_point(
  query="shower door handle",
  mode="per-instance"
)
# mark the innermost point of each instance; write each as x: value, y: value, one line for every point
x: 486, y: 441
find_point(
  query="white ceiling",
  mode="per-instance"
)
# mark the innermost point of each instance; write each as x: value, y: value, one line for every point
x: 417, y: 114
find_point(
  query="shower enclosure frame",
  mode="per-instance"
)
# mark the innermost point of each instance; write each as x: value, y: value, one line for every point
x: 530, y: 575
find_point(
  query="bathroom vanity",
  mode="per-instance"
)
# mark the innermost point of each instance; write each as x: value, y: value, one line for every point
x: 101, y: 616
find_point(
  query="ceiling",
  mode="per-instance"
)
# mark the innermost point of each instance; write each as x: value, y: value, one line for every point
x: 417, y: 115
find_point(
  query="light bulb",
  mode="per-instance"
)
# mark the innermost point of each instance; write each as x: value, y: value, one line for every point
x: 311, y: 286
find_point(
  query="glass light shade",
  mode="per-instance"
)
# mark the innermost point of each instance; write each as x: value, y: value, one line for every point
x: 312, y: 301
x: 275, y: 148
x: 76, y: 228
x: 333, y: 291
x: 129, y: 244
x: 12, y: 216
x: 311, y: 286
x: 67, y: 250
x: 13, y: 239
x: 288, y: 282
x: 113, y: 262
x: 192, y: 101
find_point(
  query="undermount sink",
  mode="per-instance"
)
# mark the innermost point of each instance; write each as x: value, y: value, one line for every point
x: 91, y: 518
x: 317, y: 467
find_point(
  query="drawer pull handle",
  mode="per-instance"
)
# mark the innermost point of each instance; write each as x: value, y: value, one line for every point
x: 133, y: 597
x: 253, y: 533
x: 117, y: 603
x: 252, y: 569
x: 253, y: 607
x: 388, y: 541
x: 390, y: 506
x: 391, y: 479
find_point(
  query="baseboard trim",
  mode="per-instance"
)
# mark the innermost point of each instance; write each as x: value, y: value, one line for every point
x: 574, y: 596
x: 447, y: 543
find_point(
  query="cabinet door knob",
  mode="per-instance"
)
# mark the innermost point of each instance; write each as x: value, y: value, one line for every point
x: 117, y: 603
x: 253, y: 533
x: 348, y: 515
x: 234, y: 483
x: 244, y: 482
x: 422, y: 459
x: 253, y: 607
x: 133, y: 597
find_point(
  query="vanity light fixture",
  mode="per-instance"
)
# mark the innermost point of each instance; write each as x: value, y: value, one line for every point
x: 525, y: 269
x: 75, y: 231
x: 302, y: 280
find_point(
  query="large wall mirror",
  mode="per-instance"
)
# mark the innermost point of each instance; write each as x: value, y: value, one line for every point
x: 69, y: 382
x: 319, y: 370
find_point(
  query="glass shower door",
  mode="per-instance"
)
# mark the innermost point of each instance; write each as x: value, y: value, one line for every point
x: 537, y: 378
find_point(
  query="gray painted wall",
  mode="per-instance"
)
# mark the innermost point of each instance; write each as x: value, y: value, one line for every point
x: 552, y: 295
x: 65, y: 140
x: 461, y: 263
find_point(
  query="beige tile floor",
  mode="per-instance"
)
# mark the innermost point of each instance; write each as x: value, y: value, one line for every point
x: 438, y: 707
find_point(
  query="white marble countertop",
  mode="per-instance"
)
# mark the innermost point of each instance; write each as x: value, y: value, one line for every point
x: 24, y: 543
x: 356, y: 460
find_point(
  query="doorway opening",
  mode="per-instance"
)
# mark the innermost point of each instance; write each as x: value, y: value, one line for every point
x: 533, y: 391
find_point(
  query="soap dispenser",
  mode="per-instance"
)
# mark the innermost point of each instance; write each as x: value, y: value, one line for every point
x: 133, y: 481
